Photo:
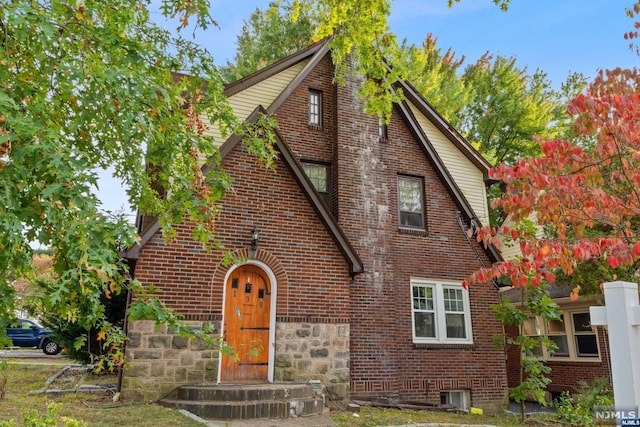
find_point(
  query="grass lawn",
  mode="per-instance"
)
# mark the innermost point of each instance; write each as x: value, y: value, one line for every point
x: 94, y: 409
x: 98, y: 409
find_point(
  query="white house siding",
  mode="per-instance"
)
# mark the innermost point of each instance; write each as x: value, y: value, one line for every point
x: 467, y: 176
x: 263, y: 93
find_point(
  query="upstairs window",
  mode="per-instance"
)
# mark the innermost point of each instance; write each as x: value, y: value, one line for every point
x: 315, y: 108
x: 319, y: 176
x: 411, y: 202
x: 383, y: 131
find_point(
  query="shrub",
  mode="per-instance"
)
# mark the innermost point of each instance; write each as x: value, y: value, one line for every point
x: 579, y: 410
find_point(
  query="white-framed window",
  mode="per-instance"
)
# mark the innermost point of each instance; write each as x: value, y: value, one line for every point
x: 315, y: 108
x: 410, y: 202
x: 440, y: 312
x: 572, y: 334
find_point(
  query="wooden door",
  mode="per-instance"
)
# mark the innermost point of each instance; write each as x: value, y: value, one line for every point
x: 247, y: 310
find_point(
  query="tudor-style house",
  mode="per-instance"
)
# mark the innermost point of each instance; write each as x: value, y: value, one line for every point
x: 354, y: 250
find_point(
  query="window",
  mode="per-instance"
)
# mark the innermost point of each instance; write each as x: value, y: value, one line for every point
x: 440, y: 312
x: 319, y: 176
x: 315, y: 108
x: 531, y: 328
x: 410, y: 202
x: 557, y: 333
x: 458, y: 398
x: 572, y: 334
x: 383, y: 133
x: 586, y: 341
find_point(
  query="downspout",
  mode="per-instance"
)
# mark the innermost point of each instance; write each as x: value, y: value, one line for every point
x: 472, y: 245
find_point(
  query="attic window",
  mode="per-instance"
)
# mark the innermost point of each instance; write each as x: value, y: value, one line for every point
x: 315, y: 109
x: 411, y: 202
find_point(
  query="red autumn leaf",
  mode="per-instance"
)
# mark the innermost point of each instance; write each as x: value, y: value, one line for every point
x: 636, y: 250
x: 584, y: 202
x: 614, y: 261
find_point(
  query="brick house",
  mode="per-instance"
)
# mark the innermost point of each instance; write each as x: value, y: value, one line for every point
x: 355, y: 278
x: 583, y: 351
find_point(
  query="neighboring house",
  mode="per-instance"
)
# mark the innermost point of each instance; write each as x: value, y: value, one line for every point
x: 583, y: 350
x: 355, y: 278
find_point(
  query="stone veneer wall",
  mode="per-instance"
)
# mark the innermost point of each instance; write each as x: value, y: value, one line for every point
x: 159, y: 360
x: 312, y: 351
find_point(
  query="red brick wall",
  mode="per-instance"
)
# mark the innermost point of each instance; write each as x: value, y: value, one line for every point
x: 312, y: 275
x: 384, y: 361
x: 313, y: 280
x: 565, y: 375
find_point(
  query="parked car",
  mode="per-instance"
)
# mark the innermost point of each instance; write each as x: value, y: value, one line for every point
x: 28, y: 333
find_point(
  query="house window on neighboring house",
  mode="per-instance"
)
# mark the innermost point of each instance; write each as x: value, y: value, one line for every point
x: 572, y: 334
x: 319, y: 176
x: 383, y: 131
x: 440, y: 312
x: 315, y: 109
x: 531, y: 328
x: 557, y: 333
x: 411, y: 202
x: 586, y: 341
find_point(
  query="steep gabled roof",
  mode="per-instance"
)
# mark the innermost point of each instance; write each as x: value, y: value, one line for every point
x: 355, y: 264
x: 412, y: 94
x: 273, y: 69
x: 314, y: 54
x: 437, y: 162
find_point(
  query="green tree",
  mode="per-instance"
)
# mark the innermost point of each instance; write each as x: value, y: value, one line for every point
x: 509, y: 107
x: 436, y: 76
x: 269, y: 35
x: 88, y: 85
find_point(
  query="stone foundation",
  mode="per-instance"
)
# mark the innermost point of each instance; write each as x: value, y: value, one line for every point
x: 308, y: 351
x: 159, y: 360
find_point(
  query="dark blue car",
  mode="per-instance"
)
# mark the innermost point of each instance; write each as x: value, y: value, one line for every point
x: 28, y: 333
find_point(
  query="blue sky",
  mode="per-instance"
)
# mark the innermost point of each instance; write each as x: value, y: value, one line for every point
x: 557, y: 36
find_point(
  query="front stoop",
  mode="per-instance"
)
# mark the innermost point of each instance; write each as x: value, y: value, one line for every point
x: 238, y: 402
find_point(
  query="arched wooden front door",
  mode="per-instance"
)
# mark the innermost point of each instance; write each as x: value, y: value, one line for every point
x: 247, y: 309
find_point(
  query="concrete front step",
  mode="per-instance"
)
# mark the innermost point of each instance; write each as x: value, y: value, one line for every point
x: 242, y: 392
x: 237, y: 402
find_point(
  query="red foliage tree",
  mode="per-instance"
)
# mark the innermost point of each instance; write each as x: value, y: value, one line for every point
x: 584, y: 194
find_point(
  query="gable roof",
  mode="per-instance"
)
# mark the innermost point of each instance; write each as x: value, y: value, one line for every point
x: 314, y: 55
x: 319, y: 50
x: 355, y: 263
